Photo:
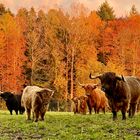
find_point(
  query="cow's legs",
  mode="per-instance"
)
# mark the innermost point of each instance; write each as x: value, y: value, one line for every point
x: 90, y: 110
x: 89, y: 107
x: 10, y: 112
x: 42, y: 114
x: 130, y: 112
x: 124, y: 110
x: 76, y: 110
x: 36, y: 115
x: 114, y: 115
x: 33, y: 114
x: 28, y: 114
x: 95, y: 109
x: 103, y: 110
x: 123, y: 115
x: 16, y: 112
x: 98, y: 110
x: 134, y: 109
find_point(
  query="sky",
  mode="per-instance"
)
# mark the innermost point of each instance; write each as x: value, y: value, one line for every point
x: 121, y: 7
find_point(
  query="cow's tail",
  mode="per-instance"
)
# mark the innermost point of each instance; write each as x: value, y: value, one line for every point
x: 24, y: 92
x: 22, y: 103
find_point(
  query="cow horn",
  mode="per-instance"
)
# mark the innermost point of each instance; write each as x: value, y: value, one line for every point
x: 123, y: 78
x: 80, y: 84
x: 94, y: 77
x: 120, y: 77
x: 95, y: 84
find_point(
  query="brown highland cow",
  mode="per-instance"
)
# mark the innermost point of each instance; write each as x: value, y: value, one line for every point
x: 76, y: 104
x: 80, y: 104
x: 36, y: 99
x: 123, y: 92
x: 95, y: 98
x: 83, y: 104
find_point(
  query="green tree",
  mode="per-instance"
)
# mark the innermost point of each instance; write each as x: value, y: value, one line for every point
x: 106, y: 12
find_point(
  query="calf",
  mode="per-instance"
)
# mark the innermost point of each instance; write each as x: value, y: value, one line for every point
x: 83, y: 104
x: 76, y: 105
x: 80, y: 104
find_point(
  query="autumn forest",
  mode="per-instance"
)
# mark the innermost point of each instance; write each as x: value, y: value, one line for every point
x: 57, y: 49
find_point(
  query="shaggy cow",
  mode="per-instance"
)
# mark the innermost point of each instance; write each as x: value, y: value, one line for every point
x: 96, y: 98
x: 83, y: 104
x: 36, y: 99
x: 76, y: 105
x: 123, y: 93
x: 13, y: 102
x: 80, y: 104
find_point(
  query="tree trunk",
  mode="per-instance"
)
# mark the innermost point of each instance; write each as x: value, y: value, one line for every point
x: 72, y: 76
x: 134, y: 59
x: 67, y: 69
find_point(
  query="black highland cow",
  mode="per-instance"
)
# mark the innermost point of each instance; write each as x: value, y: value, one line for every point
x: 13, y: 102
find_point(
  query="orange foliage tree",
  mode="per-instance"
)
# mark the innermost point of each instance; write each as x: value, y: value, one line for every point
x: 58, y: 50
x: 11, y: 44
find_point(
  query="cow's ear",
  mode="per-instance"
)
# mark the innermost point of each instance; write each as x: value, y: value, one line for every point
x: 11, y: 95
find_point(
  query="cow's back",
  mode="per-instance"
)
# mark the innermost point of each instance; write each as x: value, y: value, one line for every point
x: 104, y: 100
x: 96, y: 97
x: 29, y: 95
x: 134, y: 84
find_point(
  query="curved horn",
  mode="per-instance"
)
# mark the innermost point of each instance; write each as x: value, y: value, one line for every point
x: 120, y: 77
x: 123, y: 78
x: 95, y: 85
x: 94, y: 77
x: 80, y: 84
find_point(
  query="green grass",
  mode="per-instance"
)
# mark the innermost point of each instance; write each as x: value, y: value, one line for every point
x: 67, y: 126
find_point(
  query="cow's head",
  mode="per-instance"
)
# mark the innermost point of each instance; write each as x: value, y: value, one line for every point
x: 6, y: 95
x: 88, y: 88
x: 108, y: 81
x: 45, y: 94
x: 83, y: 101
x: 76, y: 106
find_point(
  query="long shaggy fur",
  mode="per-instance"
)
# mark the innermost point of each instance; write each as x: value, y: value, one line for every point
x: 35, y: 99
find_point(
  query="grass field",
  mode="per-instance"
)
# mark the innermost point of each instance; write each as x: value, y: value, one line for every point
x: 67, y: 126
